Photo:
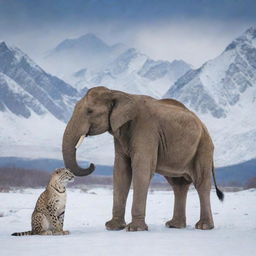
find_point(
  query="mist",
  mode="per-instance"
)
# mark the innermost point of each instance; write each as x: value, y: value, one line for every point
x: 168, y: 30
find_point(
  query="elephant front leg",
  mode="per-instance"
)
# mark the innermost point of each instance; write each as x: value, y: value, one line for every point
x: 121, y: 184
x: 141, y: 178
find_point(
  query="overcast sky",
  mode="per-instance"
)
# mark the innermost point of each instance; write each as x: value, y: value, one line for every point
x: 192, y: 30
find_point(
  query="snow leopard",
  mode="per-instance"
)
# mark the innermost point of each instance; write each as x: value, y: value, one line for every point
x: 48, y: 215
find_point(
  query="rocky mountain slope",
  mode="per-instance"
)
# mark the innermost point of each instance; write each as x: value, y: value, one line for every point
x: 27, y: 88
x: 88, y: 61
x: 34, y: 106
x: 133, y: 72
x: 223, y: 82
x: 223, y: 93
x: 88, y: 50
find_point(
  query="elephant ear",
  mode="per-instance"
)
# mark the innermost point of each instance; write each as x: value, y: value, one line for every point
x: 124, y: 109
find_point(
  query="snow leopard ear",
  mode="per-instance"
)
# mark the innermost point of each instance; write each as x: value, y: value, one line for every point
x: 123, y: 109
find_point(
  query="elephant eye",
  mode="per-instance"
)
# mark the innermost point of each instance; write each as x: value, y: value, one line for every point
x: 89, y: 111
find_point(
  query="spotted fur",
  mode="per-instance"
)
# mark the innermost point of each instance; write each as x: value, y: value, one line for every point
x: 48, y: 215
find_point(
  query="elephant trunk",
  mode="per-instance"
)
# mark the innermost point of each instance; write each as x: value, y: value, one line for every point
x: 70, y: 140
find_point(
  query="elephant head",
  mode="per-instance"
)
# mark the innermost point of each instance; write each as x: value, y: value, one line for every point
x: 100, y: 110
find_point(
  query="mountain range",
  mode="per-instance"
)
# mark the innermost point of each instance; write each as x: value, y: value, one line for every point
x: 90, y: 62
x: 88, y: 50
x: 134, y: 72
x: 34, y: 105
x: 27, y: 88
x: 223, y: 93
x: 222, y: 83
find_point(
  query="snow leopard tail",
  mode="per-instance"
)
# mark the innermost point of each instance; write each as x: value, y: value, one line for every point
x: 26, y: 233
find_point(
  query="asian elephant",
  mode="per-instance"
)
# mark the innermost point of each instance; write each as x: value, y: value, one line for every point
x: 150, y: 136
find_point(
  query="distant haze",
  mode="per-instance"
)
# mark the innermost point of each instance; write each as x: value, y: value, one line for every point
x: 194, y: 31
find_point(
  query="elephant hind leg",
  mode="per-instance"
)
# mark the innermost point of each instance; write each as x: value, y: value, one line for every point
x: 180, y: 187
x: 202, y: 183
x: 206, y: 219
x: 202, y: 177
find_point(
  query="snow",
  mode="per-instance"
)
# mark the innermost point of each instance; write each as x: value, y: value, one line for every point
x: 12, y: 85
x: 22, y: 138
x: 86, y: 213
x: 43, y: 139
x: 19, y: 55
x: 225, y: 85
x: 214, y: 71
x: 234, y: 135
x: 35, y: 132
x: 20, y: 92
x: 128, y: 73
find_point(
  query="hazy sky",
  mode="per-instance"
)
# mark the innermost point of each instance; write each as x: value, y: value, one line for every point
x: 192, y: 30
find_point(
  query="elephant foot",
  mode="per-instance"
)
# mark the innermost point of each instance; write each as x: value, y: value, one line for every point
x: 204, y: 224
x: 115, y: 224
x: 175, y: 223
x: 137, y: 225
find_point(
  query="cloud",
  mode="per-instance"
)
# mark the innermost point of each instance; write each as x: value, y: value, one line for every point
x: 161, y: 29
x: 194, y: 41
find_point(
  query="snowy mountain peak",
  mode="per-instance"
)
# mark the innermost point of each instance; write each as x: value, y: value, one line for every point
x: 126, y: 60
x: 251, y: 33
x: 85, y: 41
x: 89, y: 36
x: 3, y: 46
x: 247, y: 38
x: 86, y: 51
x: 223, y: 93
x: 223, y: 80
x: 133, y: 72
x: 128, y: 55
x: 15, y: 55
x: 23, y: 83
x: 154, y: 70
x: 16, y: 99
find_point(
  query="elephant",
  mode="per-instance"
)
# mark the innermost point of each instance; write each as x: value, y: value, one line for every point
x: 150, y: 136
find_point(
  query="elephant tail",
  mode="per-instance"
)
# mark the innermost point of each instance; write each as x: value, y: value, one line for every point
x: 219, y: 193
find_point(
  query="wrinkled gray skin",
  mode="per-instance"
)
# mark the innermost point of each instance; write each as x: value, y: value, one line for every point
x: 150, y: 136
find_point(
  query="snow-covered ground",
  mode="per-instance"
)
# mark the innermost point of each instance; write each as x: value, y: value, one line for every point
x: 86, y: 213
